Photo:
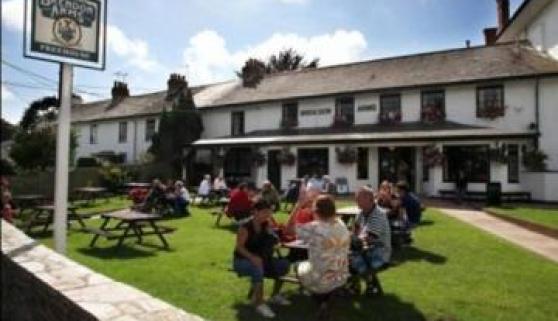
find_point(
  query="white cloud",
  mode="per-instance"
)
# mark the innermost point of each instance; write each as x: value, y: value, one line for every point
x: 209, y: 59
x: 6, y: 94
x: 135, y: 51
x: 12, y: 14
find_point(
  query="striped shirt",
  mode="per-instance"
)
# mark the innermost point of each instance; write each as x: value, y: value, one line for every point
x: 376, y: 223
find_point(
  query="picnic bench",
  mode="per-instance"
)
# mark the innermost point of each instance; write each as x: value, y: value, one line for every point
x: 89, y: 194
x: 43, y: 215
x: 28, y: 201
x: 131, y: 224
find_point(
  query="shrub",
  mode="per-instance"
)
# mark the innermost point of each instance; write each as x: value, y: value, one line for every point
x: 87, y: 162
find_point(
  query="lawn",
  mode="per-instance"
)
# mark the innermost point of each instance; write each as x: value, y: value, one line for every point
x: 453, y: 272
x: 538, y: 215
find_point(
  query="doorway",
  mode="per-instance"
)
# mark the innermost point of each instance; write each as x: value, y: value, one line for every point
x: 397, y: 164
x: 312, y: 161
x: 274, y: 168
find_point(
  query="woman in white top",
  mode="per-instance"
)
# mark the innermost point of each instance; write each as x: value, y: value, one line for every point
x: 181, y: 199
x: 205, y: 188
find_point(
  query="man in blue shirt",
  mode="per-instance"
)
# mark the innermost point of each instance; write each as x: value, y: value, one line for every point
x: 410, y: 203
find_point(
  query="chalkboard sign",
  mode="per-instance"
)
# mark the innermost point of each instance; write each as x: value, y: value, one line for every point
x: 494, y: 193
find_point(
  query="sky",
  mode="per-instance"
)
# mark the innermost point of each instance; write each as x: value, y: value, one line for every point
x: 208, y: 40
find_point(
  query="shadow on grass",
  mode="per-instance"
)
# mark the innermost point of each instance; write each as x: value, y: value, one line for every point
x: 416, y: 254
x: 124, y: 252
x: 386, y: 308
x: 425, y: 223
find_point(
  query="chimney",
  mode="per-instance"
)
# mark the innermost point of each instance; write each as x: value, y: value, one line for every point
x: 490, y: 35
x: 175, y: 84
x: 119, y: 92
x: 468, y: 43
x: 503, y: 14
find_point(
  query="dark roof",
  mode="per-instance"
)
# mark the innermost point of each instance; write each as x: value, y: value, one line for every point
x: 463, y: 65
x: 360, y: 129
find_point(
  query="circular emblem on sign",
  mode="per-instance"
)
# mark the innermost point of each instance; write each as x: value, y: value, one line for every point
x: 67, y: 31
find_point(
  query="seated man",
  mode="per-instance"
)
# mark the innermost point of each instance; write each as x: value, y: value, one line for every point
x: 181, y: 199
x: 156, y: 197
x: 240, y: 203
x: 410, y: 203
x: 371, y: 237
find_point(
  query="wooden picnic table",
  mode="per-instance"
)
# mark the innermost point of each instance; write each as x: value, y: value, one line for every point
x: 43, y: 215
x: 348, y: 213
x: 133, y: 224
x: 28, y: 201
x: 90, y: 193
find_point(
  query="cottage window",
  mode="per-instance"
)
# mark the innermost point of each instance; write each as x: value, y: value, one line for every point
x: 490, y: 101
x: 513, y: 164
x: 425, y: 167
x: 472, y: 159
x: 93, y: 134
x: 390, y: 108
x: 433, y: 107
x: 122, y: 132
x: 362, y: 163
x: 149, y: 129
x: 237, y: 123
x: 290, y: 115
x: 345, y: 110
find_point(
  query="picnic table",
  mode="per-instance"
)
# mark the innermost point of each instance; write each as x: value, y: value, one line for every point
x: 90, y: 193
x: 27, y: 201
x: 132, y: 224
x: 137, y: 185
x: 43, y: 215
x: 348, y: 213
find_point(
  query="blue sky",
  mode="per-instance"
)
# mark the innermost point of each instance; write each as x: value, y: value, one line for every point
x: 209, y: 39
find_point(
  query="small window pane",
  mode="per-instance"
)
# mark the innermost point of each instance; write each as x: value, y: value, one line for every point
x: 390, y: 108
x: 93, y: 134
x: 490, y: 102
x: 149, y: 129
x: 345, y: 110
x: 290, y: 114
x: 513, y: 164
x: 237, y: 123
x: 472, y: 159
x: 362, y: 163
x: 122, y: 132
x: 433, y: 106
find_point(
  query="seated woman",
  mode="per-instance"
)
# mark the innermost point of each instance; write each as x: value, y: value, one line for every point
x: 204, y: 190
x: 328, y: 248
x: 181, y: 199
x: 253, y: 257
x: 270, y: 195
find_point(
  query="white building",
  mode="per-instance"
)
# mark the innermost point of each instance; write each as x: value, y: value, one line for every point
x: 418, y: 118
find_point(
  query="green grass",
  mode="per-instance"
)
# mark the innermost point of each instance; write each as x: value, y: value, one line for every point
x: 538, y: 215
x: 453, y: 272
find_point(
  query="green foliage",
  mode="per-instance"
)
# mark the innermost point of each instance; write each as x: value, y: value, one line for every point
x: 7, y: 130
x: 44, y: 108
x: 534, y: 160
x: 113, y: 176
x: 252, y: 72
x: 36, y: 149
x: 177, y: 129
x: 7, y: 168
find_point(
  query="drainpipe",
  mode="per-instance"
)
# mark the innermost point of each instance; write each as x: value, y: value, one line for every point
x: 135, y: 146
x: 537, y: 113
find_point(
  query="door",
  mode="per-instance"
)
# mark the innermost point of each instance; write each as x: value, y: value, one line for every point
x: 274, y: 168
x: 312, y: 161
x: 397, y: 164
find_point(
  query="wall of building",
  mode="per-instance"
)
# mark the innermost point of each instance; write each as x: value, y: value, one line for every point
x: 543, y: 31
x: 548, y: 106
x: 542, y: 185
x: 107, y: 138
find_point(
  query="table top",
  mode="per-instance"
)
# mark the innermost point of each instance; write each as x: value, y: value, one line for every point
x: 91, y: 189
x: 132, y: 215
x: 50, y: 207
x: 28, y: 197
x: 348, y: 211
x: 137, y: 184
x: 296, y: 244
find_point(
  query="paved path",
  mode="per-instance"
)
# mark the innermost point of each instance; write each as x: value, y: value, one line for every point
x: 535, y: 242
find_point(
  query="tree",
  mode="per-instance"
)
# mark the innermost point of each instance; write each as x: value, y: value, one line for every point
x: 178, y: 128
x: 7, y: 130
x: 43, y: 108
x: 254, y: 70
x: 36, y: 149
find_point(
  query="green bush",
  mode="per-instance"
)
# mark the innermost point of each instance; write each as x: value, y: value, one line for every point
x: 113, y: 176
x: 87, y: 162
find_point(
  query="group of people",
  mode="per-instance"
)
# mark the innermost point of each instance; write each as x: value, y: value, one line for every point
x: 334, y: 252
x: 208, y: 191
x: 297, y: 188
x: 173, y: 196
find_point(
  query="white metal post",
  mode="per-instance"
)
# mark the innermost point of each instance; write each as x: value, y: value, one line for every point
x: 62, y: 160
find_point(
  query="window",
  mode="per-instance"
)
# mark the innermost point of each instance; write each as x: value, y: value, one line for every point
x: 149, y: 129
x: 312, y: 161
x: 513, y: 164
x: 290, y: 115
x: 345, y: 110
x: 433, y: 106
x: 362, y: 163
x: 472, y: 159
x: 237, y: 123
x: 93, y: 134
x: 490, y: 101
x: 390, y: 108
x: 425, y: 167
x: 122, y: 132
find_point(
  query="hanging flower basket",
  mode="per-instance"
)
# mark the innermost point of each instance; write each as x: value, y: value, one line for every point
x: 492, y: 111
x: 432, y: 156
x: 346, y: 155
x: 258, y: 158
x: 392, y: 117
x: 433, y: 114
x: 286, y: 157
x: 534, y: 159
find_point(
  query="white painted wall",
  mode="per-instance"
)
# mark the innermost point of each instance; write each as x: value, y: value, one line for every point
x: 549, y: 120
x: 543, y: 31
x: 107, y: 138
x: 316, y: 104
x: 543, y: 186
